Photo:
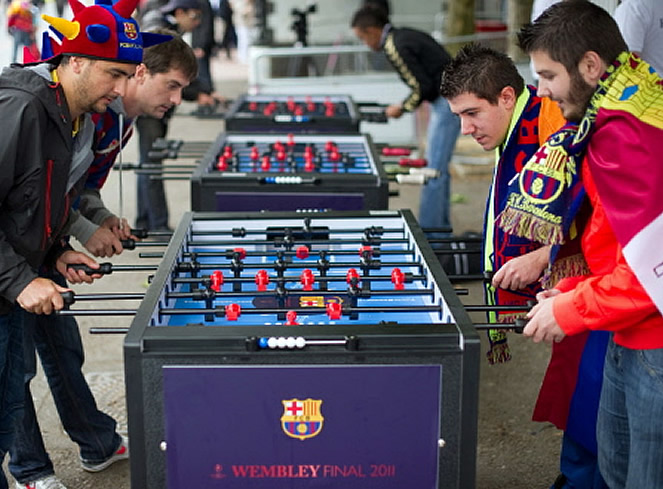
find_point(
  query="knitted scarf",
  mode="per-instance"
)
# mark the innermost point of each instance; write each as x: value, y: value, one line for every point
x: 545, y: 200
x: 522, y: 143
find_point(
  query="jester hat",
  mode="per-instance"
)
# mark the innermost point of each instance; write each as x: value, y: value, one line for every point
x: 103, y: 31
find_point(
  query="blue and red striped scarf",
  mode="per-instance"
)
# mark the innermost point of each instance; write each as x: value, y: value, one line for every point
x: 522, y: 143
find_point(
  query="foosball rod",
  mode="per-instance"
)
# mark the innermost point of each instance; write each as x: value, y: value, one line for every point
x: 166, y: 172
x: 220, y: 311
x: 152, y: 166
x: 407, y: 278
x: 144, y: 233
x: 195, y: 266
x: 107, y: 268
x: 168, y: 178
x: 369, y: 232
x: 336, y: 278
x: 517, y: 327
x: 332, y: 278
x: 374, y: 253
x: 131, y: 244
x: 207, y: 294
x: 307, y: 228
x: 173, y: 154
x: 163, y: 143
x: 372, y: 241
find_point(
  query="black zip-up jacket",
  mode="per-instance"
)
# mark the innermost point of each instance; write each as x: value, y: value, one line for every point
x: 35, y: 158
x: 419, y: 60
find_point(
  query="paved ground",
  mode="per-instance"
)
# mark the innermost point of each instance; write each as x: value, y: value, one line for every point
x: 513, y: 452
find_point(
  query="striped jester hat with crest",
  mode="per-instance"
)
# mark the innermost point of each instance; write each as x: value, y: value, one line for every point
x: 102, y: 31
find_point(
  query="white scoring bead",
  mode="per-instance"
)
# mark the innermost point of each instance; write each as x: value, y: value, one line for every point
x: 281, y: 342
x: 300, y: 342
x: 272, y: 342
x: 291, y: 342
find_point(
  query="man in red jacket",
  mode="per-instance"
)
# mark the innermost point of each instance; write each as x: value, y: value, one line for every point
x: 584, y: 65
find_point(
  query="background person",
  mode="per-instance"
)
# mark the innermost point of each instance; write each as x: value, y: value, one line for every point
x: 419, y: 61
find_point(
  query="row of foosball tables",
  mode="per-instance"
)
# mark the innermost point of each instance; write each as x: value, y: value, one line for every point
x: 297, y: 333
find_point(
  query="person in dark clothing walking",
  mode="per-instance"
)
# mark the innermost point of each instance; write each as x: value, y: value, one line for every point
x: 419, y: 61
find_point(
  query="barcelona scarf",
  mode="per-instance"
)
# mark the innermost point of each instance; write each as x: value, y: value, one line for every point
x: 500, y: 247
x: 546, y: 196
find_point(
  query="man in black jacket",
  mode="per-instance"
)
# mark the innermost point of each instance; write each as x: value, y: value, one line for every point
x: 419, y: 61
x: 44, y: 118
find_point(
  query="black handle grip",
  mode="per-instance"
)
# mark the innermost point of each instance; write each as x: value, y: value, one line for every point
x: 519, y: 325
x: 128, y: 244
x: 68, y: 297
x: 104, y: 268
x: 139, y: 233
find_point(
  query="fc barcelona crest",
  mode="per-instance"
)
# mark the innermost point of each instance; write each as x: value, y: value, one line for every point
x: 301, y: 419
x: 543, y: 178
x: 130, y: 31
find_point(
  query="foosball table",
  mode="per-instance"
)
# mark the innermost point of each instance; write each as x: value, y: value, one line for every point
x: 301, y: 350
x: 285, y: 113
x: 289, y: 172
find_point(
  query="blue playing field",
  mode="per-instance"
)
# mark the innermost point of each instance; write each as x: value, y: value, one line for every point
x: 355, y: 152
x: 418, y: 289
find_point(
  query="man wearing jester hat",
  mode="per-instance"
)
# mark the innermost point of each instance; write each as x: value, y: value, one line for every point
x: 157, y: 85
x: 44, y: 121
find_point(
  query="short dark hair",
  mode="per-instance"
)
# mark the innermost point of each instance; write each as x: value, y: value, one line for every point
x: 369, y: 15
x: 171, y: 55
x: 481, y: 71
x: 567, y: 30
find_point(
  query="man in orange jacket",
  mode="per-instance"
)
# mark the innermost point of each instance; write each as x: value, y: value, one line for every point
x: 584, y: 65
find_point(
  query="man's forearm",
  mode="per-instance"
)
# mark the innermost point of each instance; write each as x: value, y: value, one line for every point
x: 93, y: 208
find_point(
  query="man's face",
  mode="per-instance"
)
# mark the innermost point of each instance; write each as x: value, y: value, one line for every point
x: 99, y: 82
x: 158, y: 93
x: 571, y: 92
x: 369, y: 36
x: 188, y: 19
x: 485, y: 122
